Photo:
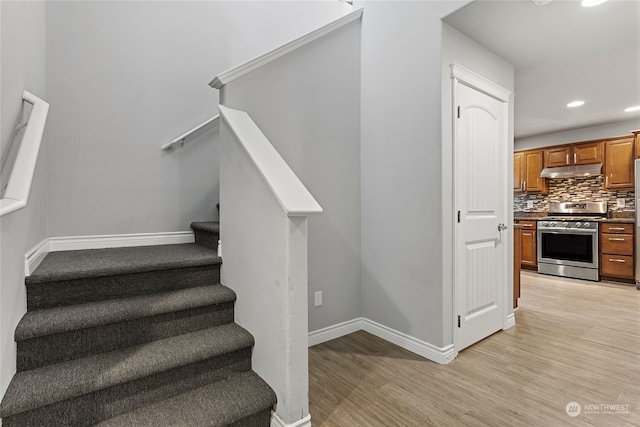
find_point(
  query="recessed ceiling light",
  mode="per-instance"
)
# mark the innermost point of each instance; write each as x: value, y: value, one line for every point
x: 541, y: 2
x: 575, y: 104
x: 632, y: 109
x: 591, y: 3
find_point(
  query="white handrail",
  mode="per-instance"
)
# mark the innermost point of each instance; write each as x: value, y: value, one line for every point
x: 228, y: 76
x: 187, y: 137
x: 19, y: 185
x: 293, y: 196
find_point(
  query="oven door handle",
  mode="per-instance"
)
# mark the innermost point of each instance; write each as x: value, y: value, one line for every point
x: 556, y: 231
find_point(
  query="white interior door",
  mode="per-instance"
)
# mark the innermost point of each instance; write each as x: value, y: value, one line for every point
x: 481, y: 197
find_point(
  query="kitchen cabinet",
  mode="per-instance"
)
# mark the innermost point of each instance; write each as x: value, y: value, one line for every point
x: 636, y: 136
x: 616, y: 251
x: 528, y: 245
x: 527, y: 166
x: 575, y: 154
x: 618, y: 168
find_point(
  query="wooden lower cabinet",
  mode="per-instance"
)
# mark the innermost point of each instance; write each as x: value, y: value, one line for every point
x: 616, y: 251
x: 528, y: 245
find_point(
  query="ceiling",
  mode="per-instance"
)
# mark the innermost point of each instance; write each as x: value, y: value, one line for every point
x: 562, y: 52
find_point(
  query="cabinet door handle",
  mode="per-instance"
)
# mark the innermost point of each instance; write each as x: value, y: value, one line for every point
x: 616, y: 228
x: 567, y: 159
x: 616, y: 239
x: 606, y: 181
x: 617, y: 260
x: 524, y: 185
x: 575, y: 157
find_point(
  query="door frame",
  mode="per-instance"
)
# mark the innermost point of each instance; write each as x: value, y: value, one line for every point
x: 462, y: 75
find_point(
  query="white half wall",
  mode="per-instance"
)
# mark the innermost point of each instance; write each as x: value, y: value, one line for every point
x: 307, y: 103
x: 22, y: 64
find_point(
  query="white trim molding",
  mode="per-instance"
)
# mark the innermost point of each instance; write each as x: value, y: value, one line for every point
x: 335, y: 331
x: 469, y: 78
x: 509, y: 322
x: 276, y: 421
x: 236, y: 72
x: 34, y: 257
x: 441, y: 355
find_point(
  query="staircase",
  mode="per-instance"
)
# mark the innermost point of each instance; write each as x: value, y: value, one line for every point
x: 138, y: 336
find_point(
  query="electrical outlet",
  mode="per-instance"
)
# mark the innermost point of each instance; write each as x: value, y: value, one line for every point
x: 529, y: 204
x: 318, y: 298
x: 620, y: 203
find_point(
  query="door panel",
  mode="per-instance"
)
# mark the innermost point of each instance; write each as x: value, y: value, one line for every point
x: 481, y: 198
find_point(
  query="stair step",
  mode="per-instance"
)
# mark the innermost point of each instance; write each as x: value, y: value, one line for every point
x: 64, y: 333
x: 231, y: 401
x: 207, y: 233
x: 77, y: 277
x: 88, y: 390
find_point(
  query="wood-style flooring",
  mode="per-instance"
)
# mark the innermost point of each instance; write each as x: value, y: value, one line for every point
x: 574, y: 341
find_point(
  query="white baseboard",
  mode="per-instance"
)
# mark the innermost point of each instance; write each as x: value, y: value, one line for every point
x: 276, y: 421
x: 510, y: 322
x: 34, y: 257
x: 335, y: 331
x: 54, y: 244
x: 441, y: 355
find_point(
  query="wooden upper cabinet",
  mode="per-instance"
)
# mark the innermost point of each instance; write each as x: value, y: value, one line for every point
x: 557, y: 156
x: 636, y: 134
x: 587, y: 154
x: 618, y: 169
x: 518, y: 171
x: 575, y: 154
x: 534, y: 163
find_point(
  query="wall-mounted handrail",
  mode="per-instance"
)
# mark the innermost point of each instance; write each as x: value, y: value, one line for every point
x: 228, y: 76
x: 19, y: 184
x: 189, y: 136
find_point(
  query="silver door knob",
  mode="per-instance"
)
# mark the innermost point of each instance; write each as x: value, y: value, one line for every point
x: 501, y: 227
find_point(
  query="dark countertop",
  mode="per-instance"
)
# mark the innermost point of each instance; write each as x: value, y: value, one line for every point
x: 618, y: 217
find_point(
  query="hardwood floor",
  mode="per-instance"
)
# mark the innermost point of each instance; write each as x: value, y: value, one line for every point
x: 574, y: 341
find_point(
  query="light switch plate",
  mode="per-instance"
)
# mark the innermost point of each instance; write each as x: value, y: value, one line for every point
x: 529, y: 204
x: 620, y: 203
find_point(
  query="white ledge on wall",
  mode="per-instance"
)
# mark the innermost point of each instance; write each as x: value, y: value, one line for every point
x: 293, y: 196
x: 242, y: 69
x: 189, y: 136
x: 24, y: 166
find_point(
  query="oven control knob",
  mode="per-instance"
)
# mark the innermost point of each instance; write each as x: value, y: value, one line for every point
x: 544, y: 223
x: 552, y: 224
x: 578, y: 224
x: 586, y: 224
x: 565, y: 224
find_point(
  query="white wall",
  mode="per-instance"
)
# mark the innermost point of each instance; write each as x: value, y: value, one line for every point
x: 22, y: 64
x: 124, y: 78
x: 457, y: 48
x: 576, y: 135
x: 308, y: 106
x: 401, y: 172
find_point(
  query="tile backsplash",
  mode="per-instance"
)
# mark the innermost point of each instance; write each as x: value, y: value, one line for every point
x: 579, y: 189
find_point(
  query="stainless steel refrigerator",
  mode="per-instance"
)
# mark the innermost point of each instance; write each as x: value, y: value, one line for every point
x: 637, y: 191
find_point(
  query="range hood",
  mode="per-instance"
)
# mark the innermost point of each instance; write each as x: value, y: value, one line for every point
x: 572, y: 171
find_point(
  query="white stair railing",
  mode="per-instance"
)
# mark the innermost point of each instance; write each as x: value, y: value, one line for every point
x: 18, y: 187
x: 189, y: 136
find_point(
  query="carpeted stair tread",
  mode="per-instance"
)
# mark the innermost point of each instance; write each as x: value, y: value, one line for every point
x: 72, y: 265
x: 219, y: 404
x: 49, y: 384
x: 67, y: 318
x: 211, y: 226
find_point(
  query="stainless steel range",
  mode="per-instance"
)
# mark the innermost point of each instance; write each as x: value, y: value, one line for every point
x: 568, y: 240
